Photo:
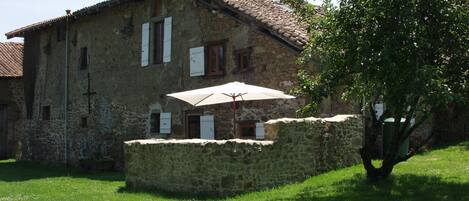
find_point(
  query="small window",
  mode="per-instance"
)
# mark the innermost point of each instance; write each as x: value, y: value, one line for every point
x: 155, y: 123
x: 84, y: 122
x: 158, y: 42
x: 243, y: 59
x: 215, y: 60
x: 61, y: 32
x: 157, y: 8
x: 46, y: 113
x: 247, y: 129
x: 84, y: 58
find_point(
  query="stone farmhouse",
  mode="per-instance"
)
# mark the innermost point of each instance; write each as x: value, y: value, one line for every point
x: 11, y: 97
x: 99, y: 76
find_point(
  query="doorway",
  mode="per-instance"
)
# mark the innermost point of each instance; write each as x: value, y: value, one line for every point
x: 193, y: 126
x: 3, y: 132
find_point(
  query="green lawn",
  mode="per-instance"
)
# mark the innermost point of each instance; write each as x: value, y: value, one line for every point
x: 439, y: 175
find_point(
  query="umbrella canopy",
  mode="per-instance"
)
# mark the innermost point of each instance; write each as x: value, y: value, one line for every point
x: 231, y: 92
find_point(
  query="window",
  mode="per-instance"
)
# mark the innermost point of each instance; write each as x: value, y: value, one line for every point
x: 157, y: 8
x: 158, y: 42
x: 247, y: 129
x: 83, y: 58
x: 84, y: 122
x: 155, y: 123
x: 243, y: 59
x: 61, y: 32
x: 215, y: 60
x: 46, y: 113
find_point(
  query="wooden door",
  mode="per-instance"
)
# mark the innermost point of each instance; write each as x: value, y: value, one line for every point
x: 3, y: 131
x: 193, y: 126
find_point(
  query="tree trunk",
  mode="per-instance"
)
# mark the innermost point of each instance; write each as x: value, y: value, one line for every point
x: 372, y: 132
x: 376, y: 173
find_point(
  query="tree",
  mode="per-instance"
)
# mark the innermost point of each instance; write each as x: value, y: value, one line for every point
x: 410, y: 54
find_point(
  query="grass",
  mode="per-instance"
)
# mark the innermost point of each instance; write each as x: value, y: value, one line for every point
x: 442, y: 174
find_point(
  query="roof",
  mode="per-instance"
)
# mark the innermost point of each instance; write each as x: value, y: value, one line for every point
x: 75, y: 15
x: 36, y: 26
x: 11, y: 60
x: 275, y: 17
x: 272, y: 17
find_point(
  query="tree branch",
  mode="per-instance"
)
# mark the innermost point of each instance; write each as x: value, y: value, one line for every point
x: 412, y: 152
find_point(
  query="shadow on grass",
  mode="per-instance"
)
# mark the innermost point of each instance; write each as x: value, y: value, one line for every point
x: 11, y: 171
x: 168, y: 195
x: 463, y: 144
x: 401, y: 187
x: 406, y: 187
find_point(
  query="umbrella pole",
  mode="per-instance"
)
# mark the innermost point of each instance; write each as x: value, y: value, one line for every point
x: 234, y: 117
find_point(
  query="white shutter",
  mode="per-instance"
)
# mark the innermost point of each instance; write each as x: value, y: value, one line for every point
x: 165, y: 123
x: 260, y: 132
x: 167, y: 39
x: 197, y: 61
x: 145, y: 44
x: 207, y: 127
x: 379, y: 110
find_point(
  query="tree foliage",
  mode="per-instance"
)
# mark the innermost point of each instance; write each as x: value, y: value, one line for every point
x: 410, y: 54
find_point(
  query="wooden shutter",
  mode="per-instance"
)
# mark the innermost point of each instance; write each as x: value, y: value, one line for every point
x: 167, y: 39
x: 260, y: 132
x: 145, y: 44
x: 207, y: 127
x: 165, y: 123
x: 197, y: 61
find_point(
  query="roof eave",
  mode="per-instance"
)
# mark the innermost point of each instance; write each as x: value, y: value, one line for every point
x: 242, y: 18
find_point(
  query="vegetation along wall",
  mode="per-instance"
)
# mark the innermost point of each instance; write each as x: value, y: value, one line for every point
x: 297, y: 149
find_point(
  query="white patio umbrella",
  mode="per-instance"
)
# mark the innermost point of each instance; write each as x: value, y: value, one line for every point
x: 231, y: 92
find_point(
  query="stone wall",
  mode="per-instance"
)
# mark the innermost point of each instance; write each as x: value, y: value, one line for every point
x: 451, y: 125
x: 300, y: 148
x: 11, y: 96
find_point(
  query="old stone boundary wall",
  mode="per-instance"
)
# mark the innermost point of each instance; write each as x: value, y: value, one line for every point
x: 299, y: 148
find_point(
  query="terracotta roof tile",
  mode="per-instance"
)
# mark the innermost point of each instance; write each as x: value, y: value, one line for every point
x: 274, y: 16
x: 11, y: 59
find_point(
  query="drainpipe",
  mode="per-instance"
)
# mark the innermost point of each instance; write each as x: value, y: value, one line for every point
x: 66, y: 90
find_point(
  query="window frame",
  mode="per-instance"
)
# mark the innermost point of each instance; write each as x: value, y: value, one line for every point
x: 84, y: 122
x: 191, y: 113
x: 46, y: 113
x: 222, y: 68
x: 155, y: 122
x: 247, y: 124
x: 243, y: 65
x: 84, y: 58
x: 61, y: 32
x: 157, y: 43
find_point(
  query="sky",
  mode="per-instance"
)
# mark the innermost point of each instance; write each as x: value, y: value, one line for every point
x: 19, y: 13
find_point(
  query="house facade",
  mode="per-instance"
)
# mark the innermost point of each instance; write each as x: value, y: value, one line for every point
x: 111, y: 65
x: 11, y: 98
